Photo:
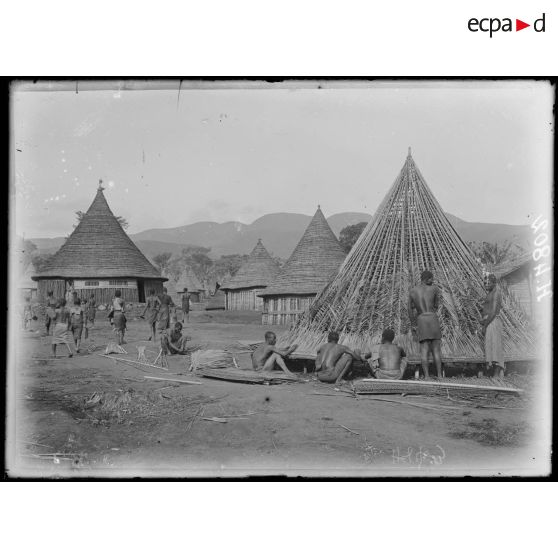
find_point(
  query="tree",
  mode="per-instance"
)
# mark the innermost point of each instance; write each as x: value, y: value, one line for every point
x: 349, y: 235
x: 228, y: 265
x: 161, y: 261
x: 492, y: 254
x: 123, y: 221
x: 27, y: 250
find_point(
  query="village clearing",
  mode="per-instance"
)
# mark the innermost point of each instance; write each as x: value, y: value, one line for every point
x: 90, y: 416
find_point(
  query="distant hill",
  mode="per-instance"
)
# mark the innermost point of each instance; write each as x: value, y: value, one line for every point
x: 280, y: 233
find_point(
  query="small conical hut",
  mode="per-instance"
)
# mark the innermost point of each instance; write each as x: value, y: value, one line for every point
x: 408, y: 234
x: 314, y: 261
x: 187, y: 280
x: 242, y: 290
x: 98, y: 258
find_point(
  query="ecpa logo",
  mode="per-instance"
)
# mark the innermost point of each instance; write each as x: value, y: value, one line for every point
x: 494, y: 24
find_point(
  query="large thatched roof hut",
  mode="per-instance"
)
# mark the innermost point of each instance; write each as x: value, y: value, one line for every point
x: 314, y: 261
x: 259, y: 270
x: 408, y: 234
x: 98, y: 258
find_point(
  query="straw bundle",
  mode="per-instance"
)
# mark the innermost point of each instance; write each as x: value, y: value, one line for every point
x: 408, y: 234
x: 211, y: 359
x: 114, y: 348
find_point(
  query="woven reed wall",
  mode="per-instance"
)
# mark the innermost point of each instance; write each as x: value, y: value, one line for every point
x: 57, y: 286
x: 283, y: 310
x: 244, y: 299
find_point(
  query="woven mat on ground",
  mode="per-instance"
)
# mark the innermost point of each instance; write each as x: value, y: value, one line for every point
x: 246, y: 376
x: 426, y: 388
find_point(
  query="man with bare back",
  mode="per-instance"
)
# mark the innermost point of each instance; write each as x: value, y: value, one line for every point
x: 334, y: 360
x: 267, y: 357
x: 388, y: 360
x: 425, y: 299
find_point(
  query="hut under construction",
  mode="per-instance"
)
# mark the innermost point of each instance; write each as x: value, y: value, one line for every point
x: 408, y: 234
x: 242, y: 290
x: 316, y: 258
x: 99, y: 258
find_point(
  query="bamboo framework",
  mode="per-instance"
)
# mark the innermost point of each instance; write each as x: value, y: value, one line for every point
x: 409, y: 233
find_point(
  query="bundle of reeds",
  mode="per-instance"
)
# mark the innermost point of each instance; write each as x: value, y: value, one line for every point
x: 114, y: 348
x: 212, y: 359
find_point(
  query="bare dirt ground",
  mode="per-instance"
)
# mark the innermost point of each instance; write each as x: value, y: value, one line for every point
x: 93, y: 416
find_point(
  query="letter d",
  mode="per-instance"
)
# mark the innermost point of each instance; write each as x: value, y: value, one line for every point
x: 535, y: 25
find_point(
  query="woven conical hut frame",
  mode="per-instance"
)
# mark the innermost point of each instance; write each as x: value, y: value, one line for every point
x: 409, y: 233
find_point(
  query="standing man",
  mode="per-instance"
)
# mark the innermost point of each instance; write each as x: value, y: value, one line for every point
x: 425, y: 299
x: 51, y: 303
x: 185, y: 306
x: 334, y: 361
x: 492, y: 328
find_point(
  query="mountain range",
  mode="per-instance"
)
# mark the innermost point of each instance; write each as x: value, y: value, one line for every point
x: 280, y: 233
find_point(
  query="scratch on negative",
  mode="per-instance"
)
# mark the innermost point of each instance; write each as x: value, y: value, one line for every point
x: 178, y: 98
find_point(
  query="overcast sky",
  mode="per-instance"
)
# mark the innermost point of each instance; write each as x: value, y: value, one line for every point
x: 234, y: 155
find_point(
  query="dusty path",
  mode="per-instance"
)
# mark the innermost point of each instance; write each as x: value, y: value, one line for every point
x: 162, y: 428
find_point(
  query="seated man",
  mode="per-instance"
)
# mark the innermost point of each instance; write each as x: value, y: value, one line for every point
x: 388, y: 361
x: 173, y: 341
x: 334, y: 360
x: 267, y: 357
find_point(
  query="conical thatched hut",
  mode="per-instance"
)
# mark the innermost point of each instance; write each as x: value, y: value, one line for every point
x: 253, y: 276
x: 315, y: 260
x: 408, y: 234
x: 98, y: 258
x: 187, y: 280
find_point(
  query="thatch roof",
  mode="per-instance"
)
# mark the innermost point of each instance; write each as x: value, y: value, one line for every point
x: 258, y: 271
x: 98, y: 247
x: 315, y: 259
x: 506, y: 268
x: 408, y: 234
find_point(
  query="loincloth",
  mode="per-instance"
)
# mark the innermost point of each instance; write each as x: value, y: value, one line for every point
x: 119, y: 321
x: 428, y: 327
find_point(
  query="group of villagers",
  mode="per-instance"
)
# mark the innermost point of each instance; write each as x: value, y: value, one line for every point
x: 69, y: 318
x: 387, y: 360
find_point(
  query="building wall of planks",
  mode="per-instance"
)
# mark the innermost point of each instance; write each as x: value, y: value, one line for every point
x: 283, y: 310
x: 57, y: 286
x: 244, y: 299
x: 103, y: 295
x: 520, y: 284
